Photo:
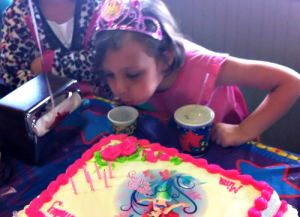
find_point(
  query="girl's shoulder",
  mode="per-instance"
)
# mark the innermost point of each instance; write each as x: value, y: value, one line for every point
x: 193, y: 48
x: 196, y: 54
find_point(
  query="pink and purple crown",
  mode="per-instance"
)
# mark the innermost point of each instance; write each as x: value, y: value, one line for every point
x: 113, y: 16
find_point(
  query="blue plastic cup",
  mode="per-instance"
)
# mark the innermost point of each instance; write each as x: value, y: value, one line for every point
x: 194, y: 125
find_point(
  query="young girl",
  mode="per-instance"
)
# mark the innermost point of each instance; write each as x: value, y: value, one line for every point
x: 144, y: 58
x: 63, y: 27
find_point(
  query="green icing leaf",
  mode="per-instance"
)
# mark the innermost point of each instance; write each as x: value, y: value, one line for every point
x: 102, y: 164
x: 113, y: 166
x: 133, y: 157
x: 97, y: 156
x: 121, y: 159
x: 176, y: 160
x: 158, y: 153
x: 144, y: 157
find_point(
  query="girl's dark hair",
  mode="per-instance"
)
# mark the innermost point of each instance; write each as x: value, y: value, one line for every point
x: 172, y: 38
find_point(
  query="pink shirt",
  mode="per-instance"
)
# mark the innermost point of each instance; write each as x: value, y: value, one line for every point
x: 226, y: 101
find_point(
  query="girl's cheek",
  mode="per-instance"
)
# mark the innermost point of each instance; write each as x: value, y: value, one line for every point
x: 111, y: 85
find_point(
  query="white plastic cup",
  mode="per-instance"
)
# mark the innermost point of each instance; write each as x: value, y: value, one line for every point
x: 123, y: 119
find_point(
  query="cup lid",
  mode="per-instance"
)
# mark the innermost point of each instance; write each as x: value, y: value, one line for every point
x: 123, y: 115
x: 194, y: 115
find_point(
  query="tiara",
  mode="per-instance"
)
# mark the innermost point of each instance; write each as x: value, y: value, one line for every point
x: 113, y: 16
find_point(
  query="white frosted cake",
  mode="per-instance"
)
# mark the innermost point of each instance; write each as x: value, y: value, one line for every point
x: 126, y: 177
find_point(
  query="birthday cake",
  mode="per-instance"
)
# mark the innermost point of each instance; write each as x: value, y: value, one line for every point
x: 126, y: 177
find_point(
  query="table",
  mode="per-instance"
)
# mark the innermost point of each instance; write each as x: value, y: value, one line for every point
x: 24, y: 181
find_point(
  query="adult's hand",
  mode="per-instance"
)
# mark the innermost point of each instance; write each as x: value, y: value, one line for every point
x: 36, y: 66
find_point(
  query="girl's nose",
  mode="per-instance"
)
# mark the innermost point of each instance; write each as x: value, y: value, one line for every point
x: 121, y: 88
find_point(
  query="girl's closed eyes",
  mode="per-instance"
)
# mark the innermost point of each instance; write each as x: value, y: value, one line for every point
x: 128, y: 75
x: 133, y: 75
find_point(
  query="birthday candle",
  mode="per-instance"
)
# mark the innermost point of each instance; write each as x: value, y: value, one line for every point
x: 109, y: 170
x: 15, y: 214
x: 90, y: 181
x: 85, y: 173
x: 105, y: 179
x: 98, y: 171
x: 73, y: 185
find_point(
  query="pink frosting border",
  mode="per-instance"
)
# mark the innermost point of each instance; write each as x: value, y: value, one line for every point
x: 260, y: 203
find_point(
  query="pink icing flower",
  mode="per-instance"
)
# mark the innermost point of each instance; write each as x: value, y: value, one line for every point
x: 143, y: 142
x: 150, y: 156
x: 127, y: 148
x: 156, y: 147
x: 132, y: 139
x: 164, y: 157
x: 111, y: 153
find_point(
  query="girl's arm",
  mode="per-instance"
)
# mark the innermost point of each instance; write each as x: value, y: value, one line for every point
x: 283, y: 85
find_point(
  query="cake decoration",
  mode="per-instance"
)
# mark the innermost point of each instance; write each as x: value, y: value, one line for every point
x: 165, y: 192
x: 73, y: 185
x: 153, y: 181
x: 58, y: 212
x: 230, y: 185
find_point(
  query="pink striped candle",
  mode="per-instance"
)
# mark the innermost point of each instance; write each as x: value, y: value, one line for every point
x: 73, y: 185
x: 98, y: 171
x: 90, y: 181
x: 105, y: 179
x: 85, y: 173
x: 109, y: 170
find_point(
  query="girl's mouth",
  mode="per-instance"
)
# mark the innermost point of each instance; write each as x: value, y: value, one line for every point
x: 128, y: 102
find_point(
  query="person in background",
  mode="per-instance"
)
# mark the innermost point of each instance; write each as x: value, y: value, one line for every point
x: 64, y: 29
x: 3, y: 5
x: 144, y: 59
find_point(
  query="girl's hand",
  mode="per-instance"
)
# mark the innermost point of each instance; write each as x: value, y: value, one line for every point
x: 228, y: 135
x: 36, y: 66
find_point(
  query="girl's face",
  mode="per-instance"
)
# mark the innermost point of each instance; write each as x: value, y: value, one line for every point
x: 132, y: 74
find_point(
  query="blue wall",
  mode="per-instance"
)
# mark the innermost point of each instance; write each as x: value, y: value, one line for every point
x: 3, y: 5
